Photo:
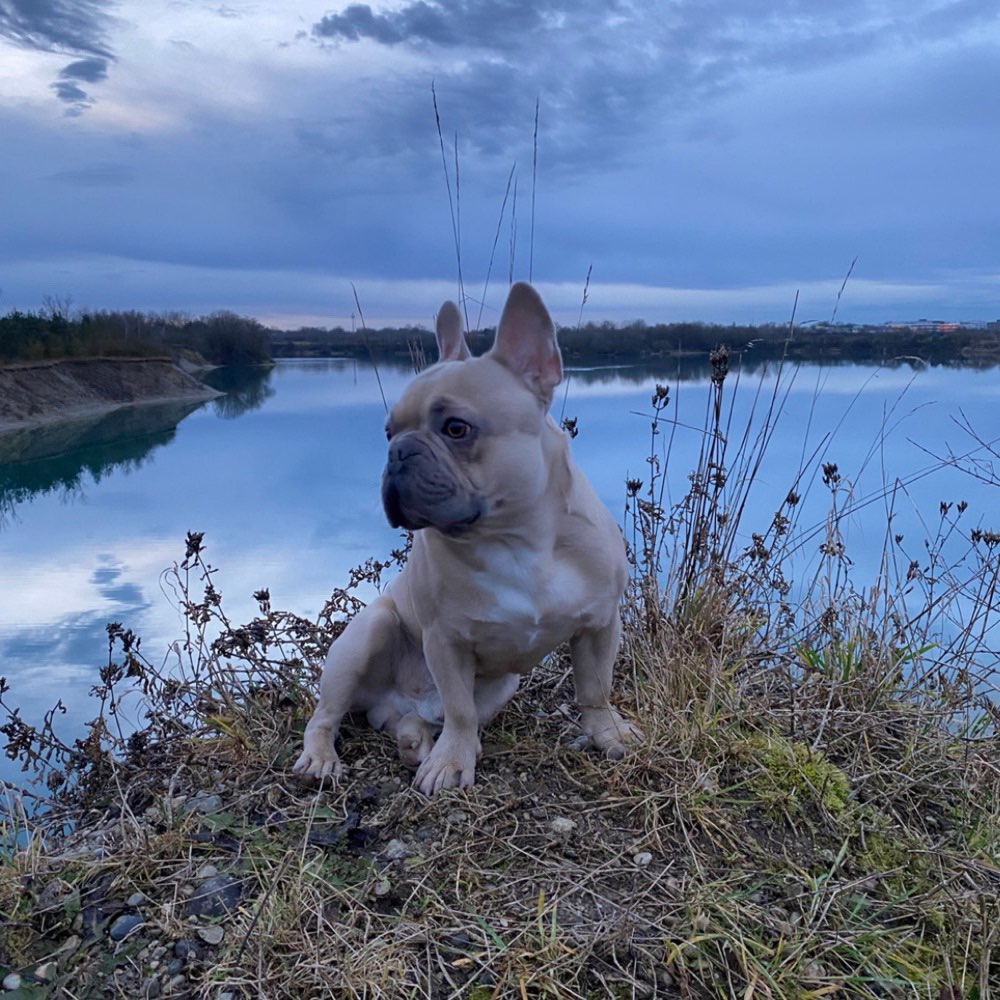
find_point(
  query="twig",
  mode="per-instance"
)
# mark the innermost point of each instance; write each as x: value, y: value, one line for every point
x: 368, y: 346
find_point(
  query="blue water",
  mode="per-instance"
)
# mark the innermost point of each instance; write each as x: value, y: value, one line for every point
x: 282, y: 478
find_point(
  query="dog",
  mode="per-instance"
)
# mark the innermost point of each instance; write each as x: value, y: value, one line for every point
x: 513, y: 553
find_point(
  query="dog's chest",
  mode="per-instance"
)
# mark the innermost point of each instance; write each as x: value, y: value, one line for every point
x: 526, y: 605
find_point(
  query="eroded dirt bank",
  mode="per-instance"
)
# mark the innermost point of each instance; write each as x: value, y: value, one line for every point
x: 46, y: 391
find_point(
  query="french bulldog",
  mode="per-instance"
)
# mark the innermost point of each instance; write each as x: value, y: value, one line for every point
x: 513, y: 554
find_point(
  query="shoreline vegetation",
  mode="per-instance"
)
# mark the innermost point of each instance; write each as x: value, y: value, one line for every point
x: 227, y: 339
x: 814, y: 812
x: 40, y: 350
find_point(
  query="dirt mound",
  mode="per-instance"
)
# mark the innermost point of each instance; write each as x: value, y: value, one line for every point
x: 58, y: 390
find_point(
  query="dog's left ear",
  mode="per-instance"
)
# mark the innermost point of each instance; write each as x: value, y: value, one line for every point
x: 450, y: 339
x: 526, y: 342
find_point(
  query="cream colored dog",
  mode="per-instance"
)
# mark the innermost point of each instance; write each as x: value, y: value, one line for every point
x: 513, y: 554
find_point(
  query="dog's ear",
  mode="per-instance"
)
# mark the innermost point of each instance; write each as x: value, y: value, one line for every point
x: 526, y: 341
x: 450, y: 339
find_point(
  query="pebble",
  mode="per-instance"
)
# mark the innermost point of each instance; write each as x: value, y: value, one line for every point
x: 174, y: 966
x: 457, y: 817
x: 395, y: 850
x: 70, y: 944
x: 207, y: 871
x: 215, y: 897
x: 151, y: 988
x: 124, y: 925
x: 176, y: 983
x: 185, y: 948
x: 213, y: 934
x: 136, y: 900
x: 47, y: 972
x: 12, y: 982
x: 642, y: 859
x: 383, y: 887
x: 562, y: 825
x: 203, y: 804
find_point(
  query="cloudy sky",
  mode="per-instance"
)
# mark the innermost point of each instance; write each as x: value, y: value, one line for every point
x: 707, y: 159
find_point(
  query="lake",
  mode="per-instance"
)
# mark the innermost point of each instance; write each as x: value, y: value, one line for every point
x: 282, y: 477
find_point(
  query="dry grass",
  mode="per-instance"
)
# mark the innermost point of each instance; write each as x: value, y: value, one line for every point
x: 815, y: 811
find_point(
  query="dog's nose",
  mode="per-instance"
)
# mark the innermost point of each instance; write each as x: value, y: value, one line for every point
x: 402, y: 448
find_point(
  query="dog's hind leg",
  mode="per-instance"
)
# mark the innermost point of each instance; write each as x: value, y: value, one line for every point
x: 492, y: 694
x: 414, y: 739
x: 354, y: 669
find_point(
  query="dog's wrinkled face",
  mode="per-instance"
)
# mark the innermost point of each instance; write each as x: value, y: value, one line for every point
x: 465, y: 439
x: 463, y: 448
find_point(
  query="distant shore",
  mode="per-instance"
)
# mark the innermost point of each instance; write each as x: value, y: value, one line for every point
x: 42, y: 392
x: 601, y: 344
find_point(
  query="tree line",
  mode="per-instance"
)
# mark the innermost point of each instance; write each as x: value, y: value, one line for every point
x: 632, y: 343
x: 225, y: 338
x: 222, y: 338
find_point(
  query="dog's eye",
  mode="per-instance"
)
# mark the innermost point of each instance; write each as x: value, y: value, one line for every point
x: 455, y: 429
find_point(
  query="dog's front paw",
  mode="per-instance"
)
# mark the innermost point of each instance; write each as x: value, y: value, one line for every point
x: 450, y: 764
x: 319, y: 762
x: 609, y: 732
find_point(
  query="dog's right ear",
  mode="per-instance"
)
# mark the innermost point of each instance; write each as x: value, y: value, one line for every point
x: 450, y: 339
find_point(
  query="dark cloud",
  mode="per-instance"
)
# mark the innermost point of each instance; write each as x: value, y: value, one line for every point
x: 68, y: 91
x: 419, y: 21
x: 610, y: 69
x: 76, y: 26
x: 93, y: 70
x: 57, y: 25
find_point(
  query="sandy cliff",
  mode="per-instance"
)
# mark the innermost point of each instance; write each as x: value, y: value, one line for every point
x: 46, y: 391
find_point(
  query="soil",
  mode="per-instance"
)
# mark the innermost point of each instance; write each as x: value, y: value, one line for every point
x: 47, y: 391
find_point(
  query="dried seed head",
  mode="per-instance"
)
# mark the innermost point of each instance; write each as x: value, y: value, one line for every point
x: 719, y: 359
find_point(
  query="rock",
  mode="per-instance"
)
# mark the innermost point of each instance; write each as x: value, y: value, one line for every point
x: 136, y: 900
x: 207, y: 871
x: 395, y: 850
x: 174, y: 985
x: 70, y: 944
x: 151, y: 988
x: 203, y: 804
x: 12, y: 982
x: 215, y: 897
x: 562, y: 826
x: 123, y: 926
x: 213, y: 934
x: 174, y: 966
x: 383, y: 887
x: 187, y: 949
x: 457, y: 817
x: 47, y: 972
x: 642, y: 859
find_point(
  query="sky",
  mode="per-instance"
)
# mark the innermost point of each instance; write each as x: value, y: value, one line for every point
x: 711, y: 160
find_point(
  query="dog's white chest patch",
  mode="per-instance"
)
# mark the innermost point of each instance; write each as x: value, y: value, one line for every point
x: 508, y: 581
x: 530, y: 606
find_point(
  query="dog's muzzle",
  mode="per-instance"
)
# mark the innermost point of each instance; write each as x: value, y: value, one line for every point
x: 422, y: 487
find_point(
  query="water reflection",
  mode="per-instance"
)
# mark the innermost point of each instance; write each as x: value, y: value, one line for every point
x: 246, y: 388
x: 58, y: 458
x: 61, y: 458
